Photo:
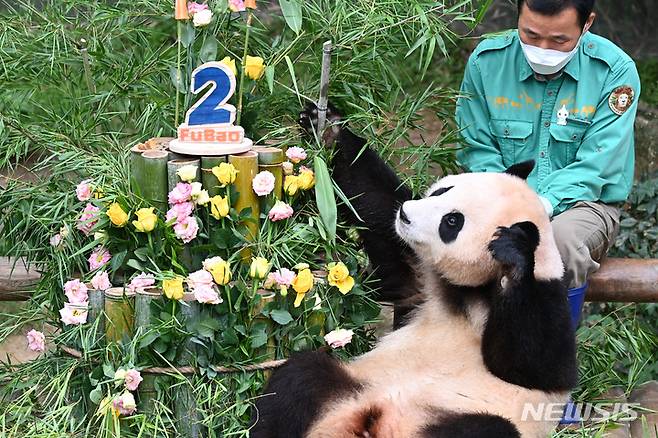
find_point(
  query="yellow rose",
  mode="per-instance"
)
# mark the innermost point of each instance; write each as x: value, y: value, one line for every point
x: 219, y: 206
x: 339, y: 276
x: 253, y: 67
x: 302, y: 284
x: 259, y: 268
x: 219, y: 268
x: 173, y: 288
x: 225, y: 173
x: 250, y: 4
x: 187, y: 173
x: 117, y: 216
x: 230, y: 63
x: 146, y: 220
x: 306, y: 179
x: 291, y: 184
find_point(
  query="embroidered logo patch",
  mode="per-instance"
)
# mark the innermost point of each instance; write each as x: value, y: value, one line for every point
x: 621, y: 99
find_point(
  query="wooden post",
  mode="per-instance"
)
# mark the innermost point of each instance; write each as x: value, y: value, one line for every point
x: 149, y: 177
x: 247, y: 166
x: 324, y: 87
x: 146, y: 392
x: 174, y: 165
x: 210, y: 181
x: 270, y: 159
x: 119, y: 310
x: 184, y: 402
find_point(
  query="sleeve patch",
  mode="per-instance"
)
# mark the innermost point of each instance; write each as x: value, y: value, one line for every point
x: 621, y: 99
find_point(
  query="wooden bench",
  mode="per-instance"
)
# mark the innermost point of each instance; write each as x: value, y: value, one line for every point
x: 618, y: 280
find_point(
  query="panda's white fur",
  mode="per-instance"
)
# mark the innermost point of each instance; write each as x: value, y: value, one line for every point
x: 442, y: 367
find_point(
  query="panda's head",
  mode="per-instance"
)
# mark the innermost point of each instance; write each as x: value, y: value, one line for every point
x: 451, y: 227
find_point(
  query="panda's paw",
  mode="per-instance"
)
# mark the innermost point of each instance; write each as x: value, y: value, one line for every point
x: 308, y: 119
x: 514, y: 248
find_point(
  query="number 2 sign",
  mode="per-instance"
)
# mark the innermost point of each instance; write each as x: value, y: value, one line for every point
x: 212, y: 108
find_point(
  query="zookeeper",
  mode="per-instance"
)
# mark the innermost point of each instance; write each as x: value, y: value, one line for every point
x: 553, y: 92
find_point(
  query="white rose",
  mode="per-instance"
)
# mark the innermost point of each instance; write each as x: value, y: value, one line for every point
x: 202, y: 18
x: 187, y: 173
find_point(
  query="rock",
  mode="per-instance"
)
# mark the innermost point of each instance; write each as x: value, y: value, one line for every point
x: 646, y: 396
x: 621, y: 429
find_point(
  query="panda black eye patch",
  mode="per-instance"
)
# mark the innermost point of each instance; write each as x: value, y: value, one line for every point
x: 451, y: 225
x: 441, y: 191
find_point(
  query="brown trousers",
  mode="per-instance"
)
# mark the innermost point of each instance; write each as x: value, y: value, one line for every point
x: 583, y: 234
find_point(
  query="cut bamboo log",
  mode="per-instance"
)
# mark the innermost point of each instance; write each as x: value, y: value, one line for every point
x: 270, y: 159
x: 268, y: 352
x: 247, y: 166
x: 119, y: 310
x: 147, y: 392
x: 208, y: 179
x: 96, y: 307
x: 149, y: 177
x: 184, y: 401
x: 174, y: 165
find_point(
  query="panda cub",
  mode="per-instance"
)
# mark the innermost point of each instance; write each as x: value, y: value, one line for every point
x: 491, y: 339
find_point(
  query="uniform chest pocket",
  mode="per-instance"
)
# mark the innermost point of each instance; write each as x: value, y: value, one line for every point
x: 565, y: 142
x: 513, y: 138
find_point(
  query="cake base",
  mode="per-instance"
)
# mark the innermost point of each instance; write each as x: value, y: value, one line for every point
x: 213, y: 149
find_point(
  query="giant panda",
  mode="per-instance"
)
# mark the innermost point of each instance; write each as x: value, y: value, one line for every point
x: 491, y: 338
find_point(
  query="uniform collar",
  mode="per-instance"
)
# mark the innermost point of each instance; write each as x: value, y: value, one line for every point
x: 572, y: 68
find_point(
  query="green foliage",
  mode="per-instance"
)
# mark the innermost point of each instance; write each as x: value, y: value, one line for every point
x: 638, y: 234
x: 648, y: 70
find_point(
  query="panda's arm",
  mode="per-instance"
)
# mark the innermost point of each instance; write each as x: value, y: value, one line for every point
x: 528, y: 339
x: 375, y: 192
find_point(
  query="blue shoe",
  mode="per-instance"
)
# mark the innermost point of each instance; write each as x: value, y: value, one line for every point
x: 576, y: 301
x: 571, y: 413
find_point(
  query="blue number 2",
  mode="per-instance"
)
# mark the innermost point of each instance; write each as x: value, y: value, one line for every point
x: 212, y: 108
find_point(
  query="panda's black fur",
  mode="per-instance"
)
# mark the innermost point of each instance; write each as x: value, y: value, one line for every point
x: 527, y: 340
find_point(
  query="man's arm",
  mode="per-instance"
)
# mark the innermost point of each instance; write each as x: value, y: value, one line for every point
x: 602, y: 156
x: 480, y: 151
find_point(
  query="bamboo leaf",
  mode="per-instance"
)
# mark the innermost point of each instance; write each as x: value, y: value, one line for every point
x: 292, y: 13
x: 291, y: 69
x: 208, y: 50
x: 269, y: 76
x: 324, y: 196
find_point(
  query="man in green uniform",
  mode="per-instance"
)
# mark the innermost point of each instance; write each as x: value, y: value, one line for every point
x: 555, y: 93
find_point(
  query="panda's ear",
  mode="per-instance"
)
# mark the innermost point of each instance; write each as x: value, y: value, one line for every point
x: 522, y: 170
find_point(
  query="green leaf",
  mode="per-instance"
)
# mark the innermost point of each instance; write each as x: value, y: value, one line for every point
x: 291, y: 69
x: 135, y: 265
x: 208, y: 51
x: 117, y: 260
x: 324, y: 196
x: 269, y: 75
x: 281, y: 316
x: 142, y: 253
x: 292, y: 13
x: 187, y: 35
x: 149, y: 338
x: 259, y: 336
x: 108, y: 370
x: 96, y: 395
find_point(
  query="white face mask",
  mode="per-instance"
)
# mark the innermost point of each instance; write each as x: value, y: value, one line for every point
x: 547, y: 61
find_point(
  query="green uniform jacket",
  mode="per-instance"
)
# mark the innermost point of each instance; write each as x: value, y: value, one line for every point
x: 508, y: 115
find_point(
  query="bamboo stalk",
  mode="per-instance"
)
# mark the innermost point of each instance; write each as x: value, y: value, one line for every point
x: 119, y: 310
x: 184, y: 401
x: 268, y: 352
x: 210, y: 181
x: 149, y: 177
x: 324, y: 86
x: 147, y: 392
x: 247, y: 166
x: 174, y: 165
x: 96, y: 307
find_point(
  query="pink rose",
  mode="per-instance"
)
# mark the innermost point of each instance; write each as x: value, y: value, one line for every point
x: 133, y: 379
x: 56, y: 240
x: 76, y: 291
x: 279, y: 211
x: 101, y: 281
x: 236, y: 5
x: 83, y: 190
x: 142, y: 281
x: 125, y: 403
x: 180, y: 193
x: 263, y: 183
x: 194, y: 7
x: 74, y: 313
x: 199, y: 279
x: 283, y: 277
x: 180, y: 211
x: 296, y: 154
x: 88, y: 219
x: 205, y: 294
x: 186, y: 229
x: 36, y: 341
x: 338, y: 338
x: 99, y: 257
